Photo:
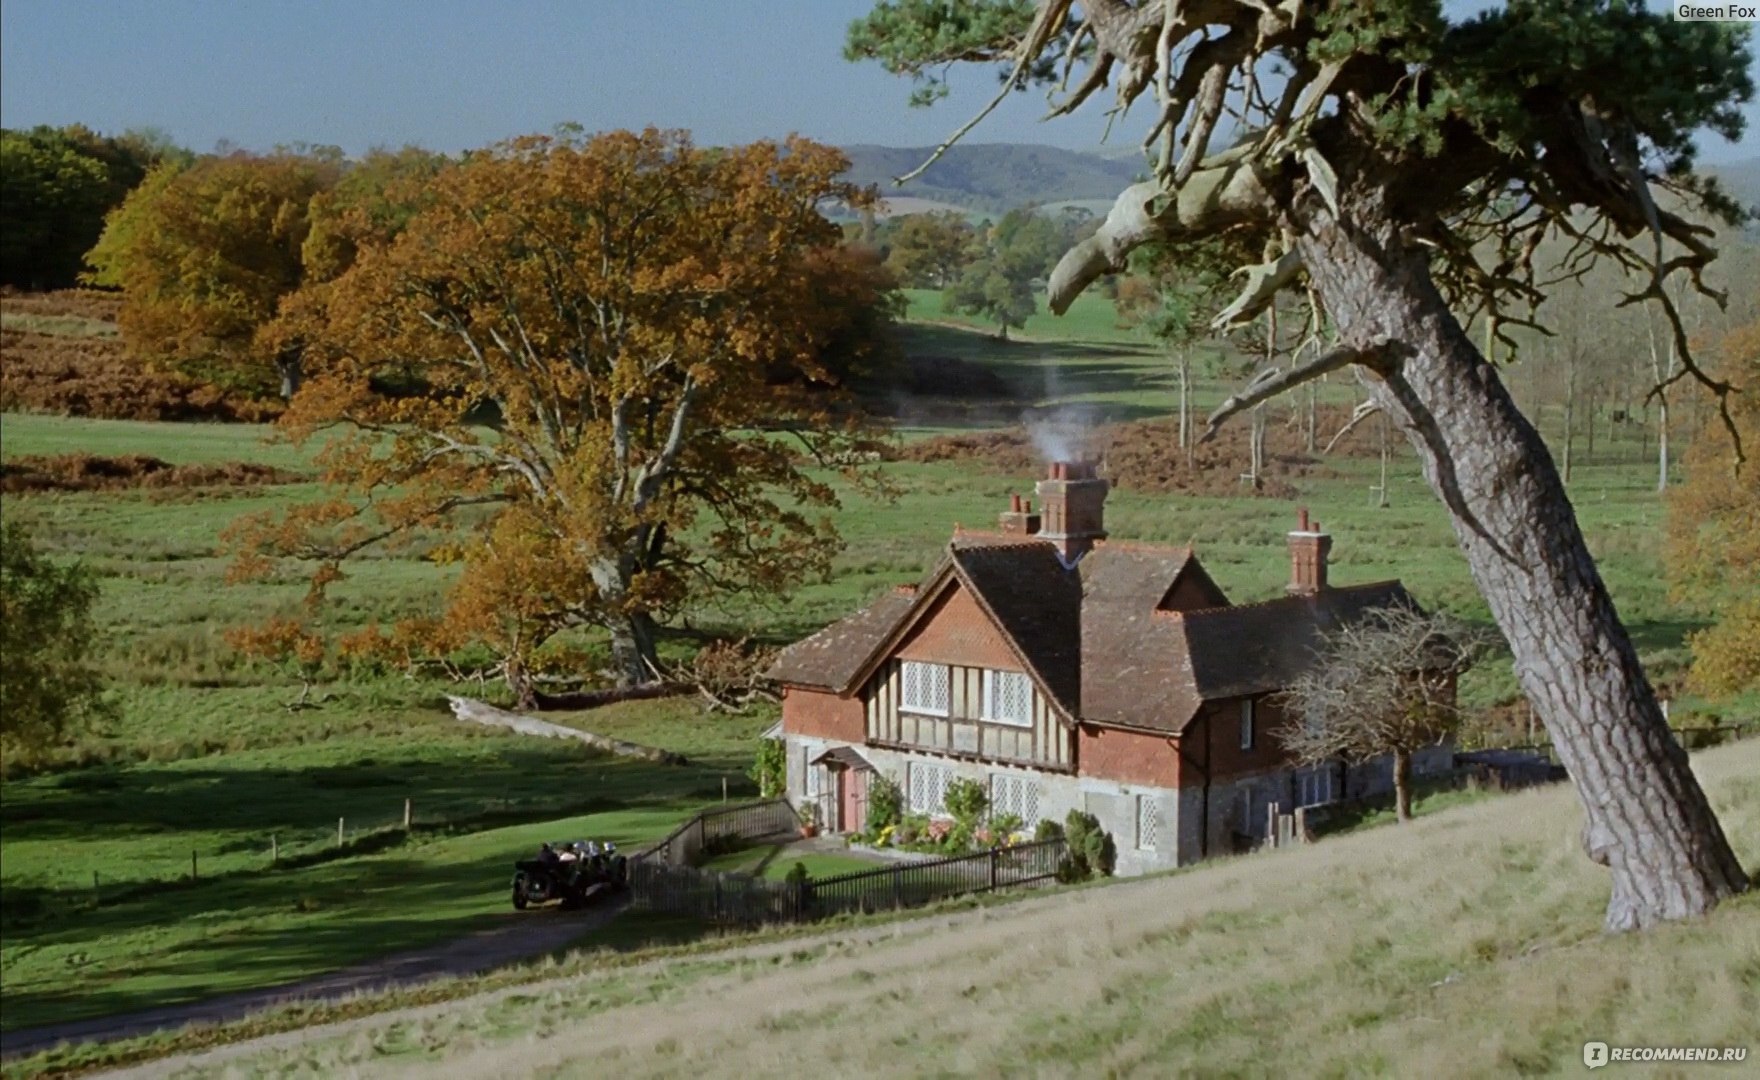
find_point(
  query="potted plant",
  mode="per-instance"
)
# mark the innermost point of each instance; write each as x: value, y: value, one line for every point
x: 809, y: 819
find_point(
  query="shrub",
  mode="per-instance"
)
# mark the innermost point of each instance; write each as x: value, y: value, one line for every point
x: 966, y: 800
x: 885, y: 804
x: 911, y: 828
x: 1091, y: 853
x: 797, y: 874
x: 770, y: 768
x: 1047, y: 830
x: 1005, y: 824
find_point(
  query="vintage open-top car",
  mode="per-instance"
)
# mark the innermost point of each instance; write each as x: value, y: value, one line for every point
x: 569, y: 873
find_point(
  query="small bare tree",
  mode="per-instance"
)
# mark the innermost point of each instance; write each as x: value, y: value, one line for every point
x: 1383, y: 685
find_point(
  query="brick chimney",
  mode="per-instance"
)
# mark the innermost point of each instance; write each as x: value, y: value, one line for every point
x: 1074, y: 500
x: 1018, y: 519
x: 1308, y: 548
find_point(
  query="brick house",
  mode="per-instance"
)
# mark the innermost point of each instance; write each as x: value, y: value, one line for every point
x: 1064, y: 671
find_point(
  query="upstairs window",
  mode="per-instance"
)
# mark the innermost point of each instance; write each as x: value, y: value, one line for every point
x: 1008, y: 698
x: 1247, y: 724
x: 923, y: 687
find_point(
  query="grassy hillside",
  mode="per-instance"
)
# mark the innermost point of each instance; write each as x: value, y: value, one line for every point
x: 1465, y: 944
x: 993, y: 177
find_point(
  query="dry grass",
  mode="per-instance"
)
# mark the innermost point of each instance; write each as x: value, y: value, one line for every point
x: 1465, y: 944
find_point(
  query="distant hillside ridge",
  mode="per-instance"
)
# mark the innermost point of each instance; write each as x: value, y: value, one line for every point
x: 994, y: 178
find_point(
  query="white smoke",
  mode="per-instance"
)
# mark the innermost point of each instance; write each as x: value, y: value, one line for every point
x: 1065, y: 432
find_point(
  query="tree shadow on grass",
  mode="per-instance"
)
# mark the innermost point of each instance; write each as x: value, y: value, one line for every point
x: 1658, y: 635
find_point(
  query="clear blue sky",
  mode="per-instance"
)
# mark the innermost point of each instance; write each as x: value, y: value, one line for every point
x: 452, y: 74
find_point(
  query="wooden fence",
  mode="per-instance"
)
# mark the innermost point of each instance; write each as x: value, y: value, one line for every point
x: 911, y: 884
x: 744, y: 823
x: 657, y: 884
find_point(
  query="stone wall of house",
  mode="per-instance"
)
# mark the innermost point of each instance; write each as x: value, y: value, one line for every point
x: 1238, y: 803
x: 822, y: 714
x: 1175, y: 823
x: 1115, y: 803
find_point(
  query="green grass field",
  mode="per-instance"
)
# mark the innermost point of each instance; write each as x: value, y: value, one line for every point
x: 204, y: 757
x: 1465, y: 944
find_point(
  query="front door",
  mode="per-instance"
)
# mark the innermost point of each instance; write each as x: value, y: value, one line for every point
x: 852, y: 799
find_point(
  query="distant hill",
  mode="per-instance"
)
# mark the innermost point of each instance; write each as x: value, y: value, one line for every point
x: 1741, y: 179
x: 993, y: 178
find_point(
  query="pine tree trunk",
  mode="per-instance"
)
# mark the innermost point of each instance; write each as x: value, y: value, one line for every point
x: 1647, y: 819
x: 1402, y: 785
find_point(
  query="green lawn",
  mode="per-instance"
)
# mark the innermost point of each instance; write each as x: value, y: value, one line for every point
x: 257, y: 929
x: 775, y: 861
x: 1091, y: 318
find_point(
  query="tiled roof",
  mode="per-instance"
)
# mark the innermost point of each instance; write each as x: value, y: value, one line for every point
x: 831, y: 657
x: 1097, y: 636
x: 1037, y: 603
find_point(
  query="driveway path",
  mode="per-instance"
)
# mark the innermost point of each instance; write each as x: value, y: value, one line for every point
x: 538, y: 933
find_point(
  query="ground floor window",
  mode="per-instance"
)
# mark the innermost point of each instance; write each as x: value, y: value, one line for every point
x: 1314, y: 786
x: 1146, y: 823
x: 1245, y: 810
x: 1018, y: 795
x: 928, y: 787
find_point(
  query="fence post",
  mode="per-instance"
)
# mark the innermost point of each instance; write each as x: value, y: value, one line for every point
x: 993, y: 861
x: 274, y: 849
x: 339, y: 832
x: 724, y: 788
x: 193, y: 876
x: 406, y: 814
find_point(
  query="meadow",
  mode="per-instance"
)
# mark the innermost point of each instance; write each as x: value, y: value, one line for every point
x: 1465, y: 944
x: 203, y: 755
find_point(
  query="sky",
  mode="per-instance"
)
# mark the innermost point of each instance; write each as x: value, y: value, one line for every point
x: 456, y: 74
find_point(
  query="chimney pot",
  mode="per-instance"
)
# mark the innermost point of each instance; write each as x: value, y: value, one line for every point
x: 1072, y: 498
x: 1302, y: 518
x: 1014, y: 502
x: 1308, y: 549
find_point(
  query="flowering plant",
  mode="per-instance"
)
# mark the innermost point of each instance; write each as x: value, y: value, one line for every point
x: 885, y: 837
x: 939, y: 828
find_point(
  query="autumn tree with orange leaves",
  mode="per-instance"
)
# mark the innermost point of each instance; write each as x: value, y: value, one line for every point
x: 631, y: 351
x: 1713, y: 535
x: 208, y: 253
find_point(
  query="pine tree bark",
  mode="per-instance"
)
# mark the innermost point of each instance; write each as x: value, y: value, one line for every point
x: 1647, y: 819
